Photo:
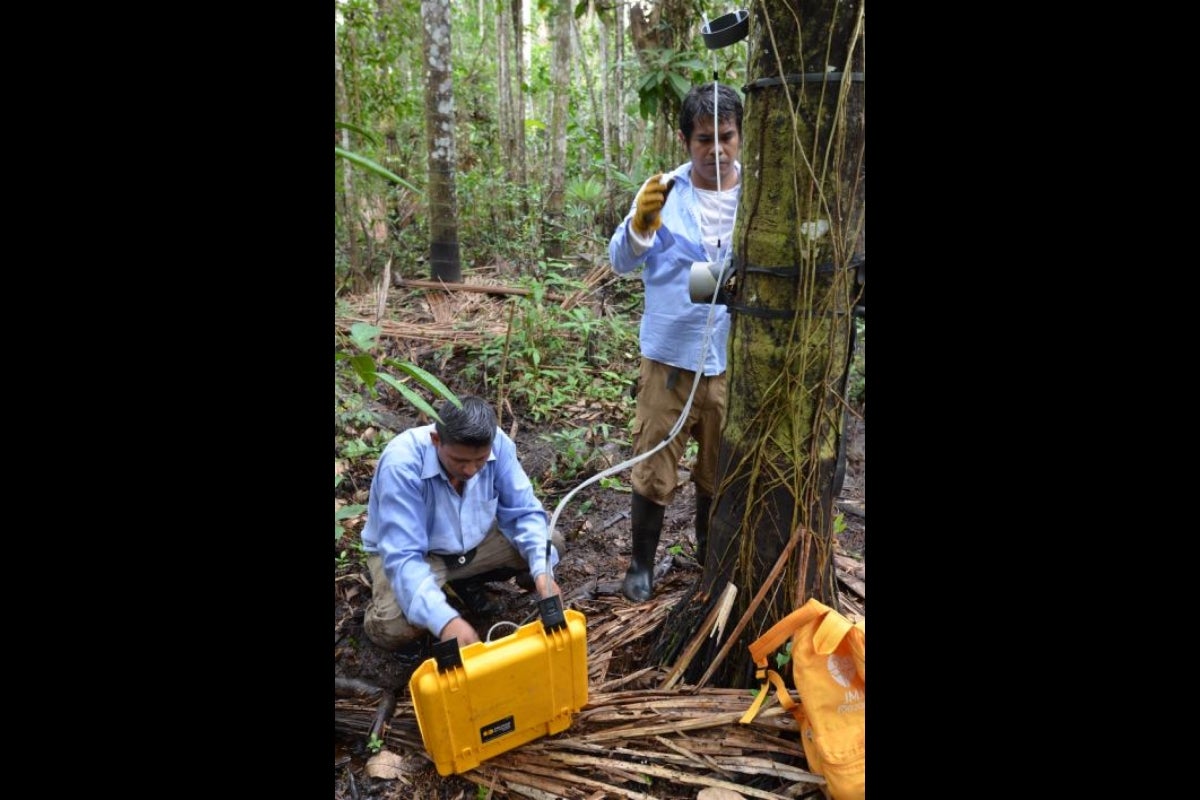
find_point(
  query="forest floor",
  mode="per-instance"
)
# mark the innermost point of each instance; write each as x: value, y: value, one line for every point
x: 596, y: 526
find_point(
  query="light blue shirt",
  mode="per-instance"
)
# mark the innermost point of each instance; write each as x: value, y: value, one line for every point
x: 413, y: 510
x: 672, y: 327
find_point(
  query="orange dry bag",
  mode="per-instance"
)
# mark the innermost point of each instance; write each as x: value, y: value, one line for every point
x: 829, y: 667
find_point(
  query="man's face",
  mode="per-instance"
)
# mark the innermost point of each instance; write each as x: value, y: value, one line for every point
x: 461, y: 461
x: 705, y: 149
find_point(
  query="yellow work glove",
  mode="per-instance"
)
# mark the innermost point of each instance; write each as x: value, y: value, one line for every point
x: 646, y: 217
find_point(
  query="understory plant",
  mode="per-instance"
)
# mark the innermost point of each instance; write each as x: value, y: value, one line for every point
x: 360, y: 371
x: 555, y: 360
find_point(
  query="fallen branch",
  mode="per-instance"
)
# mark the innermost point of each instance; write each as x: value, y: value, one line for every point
x: 675, y: 776
x: 387, y: 708
x: 353, y: 687
x: 608, y: 523
x: 472, y: 287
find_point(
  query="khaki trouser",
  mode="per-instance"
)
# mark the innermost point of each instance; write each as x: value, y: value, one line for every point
x: 660, y: 400
x: 384, y: 622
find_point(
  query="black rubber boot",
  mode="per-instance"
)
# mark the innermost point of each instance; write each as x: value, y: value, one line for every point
x: 647, y: 520
x: 703, y: 505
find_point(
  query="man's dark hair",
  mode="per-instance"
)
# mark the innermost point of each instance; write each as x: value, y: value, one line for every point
x: 699, y: 103
x: 474, y: 424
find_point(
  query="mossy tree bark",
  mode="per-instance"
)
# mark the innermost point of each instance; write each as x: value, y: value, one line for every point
x: 800, y: 222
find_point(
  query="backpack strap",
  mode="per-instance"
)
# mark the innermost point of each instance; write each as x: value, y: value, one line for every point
x: 781, y: 692
x: 830, y: 632
x: 768, y: 643
x: 781, y: 631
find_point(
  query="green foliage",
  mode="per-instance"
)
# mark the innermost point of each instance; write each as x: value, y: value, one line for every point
x: 366, y: 134
x: 626, y: 184
x: 345, y: 513
x: 492, y: 222
x: 586, y: 191
x: 784, y: 656
x: 378, y: 169
x: 667, y: 72
x: 556, y: 357
x: 584, y: 202
x: 357, y: 448
x: 613, y: 483
x: 572, y: 451
x: 374, y: 744
x: 358, y: 375
x: 362, y: 341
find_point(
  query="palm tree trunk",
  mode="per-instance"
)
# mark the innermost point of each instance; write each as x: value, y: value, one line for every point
x: 554, y: 202
x: 439, y: 135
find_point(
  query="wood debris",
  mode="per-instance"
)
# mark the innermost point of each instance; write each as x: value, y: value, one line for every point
x: 640, y: 742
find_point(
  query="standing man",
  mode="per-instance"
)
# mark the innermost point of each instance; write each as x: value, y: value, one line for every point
x: 450, y: 504
x: 670, y: 226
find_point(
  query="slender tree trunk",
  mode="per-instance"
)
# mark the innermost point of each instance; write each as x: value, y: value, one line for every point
x: 623, y: 119
x: 439, y: 135
x: 588, y: 70
x: 522, y: 168
x: 607, y: 113
x: 507, y: 117
x: 799, y: 223
x: 552, y: 213
x: 349, y: 205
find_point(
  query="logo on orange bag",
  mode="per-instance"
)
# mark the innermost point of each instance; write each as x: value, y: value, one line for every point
x: 841, y: 669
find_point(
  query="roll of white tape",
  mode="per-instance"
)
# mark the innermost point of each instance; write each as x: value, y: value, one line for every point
x: 702, y: 282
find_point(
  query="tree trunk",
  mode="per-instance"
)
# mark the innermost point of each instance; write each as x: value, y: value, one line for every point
x: 522, y: 169
x: 609, y: 143
x: 623, y: 119
x: 588, y: 70
x: 439, y: 135
x: 799, y: 225
x: 348, y: 208
x: 554, y: 202
x: 507, y: 113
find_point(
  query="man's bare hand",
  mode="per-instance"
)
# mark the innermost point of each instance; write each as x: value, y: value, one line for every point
x: 541, y: 581
x: 461, y: 629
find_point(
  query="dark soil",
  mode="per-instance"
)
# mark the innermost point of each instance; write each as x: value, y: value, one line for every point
x: 595, y: 523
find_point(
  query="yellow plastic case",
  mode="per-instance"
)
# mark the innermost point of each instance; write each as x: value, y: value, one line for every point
x: 484, y: 699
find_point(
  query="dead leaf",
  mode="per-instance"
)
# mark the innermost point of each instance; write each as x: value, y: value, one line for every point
x: 390, y: 766
x: 717, y: 793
